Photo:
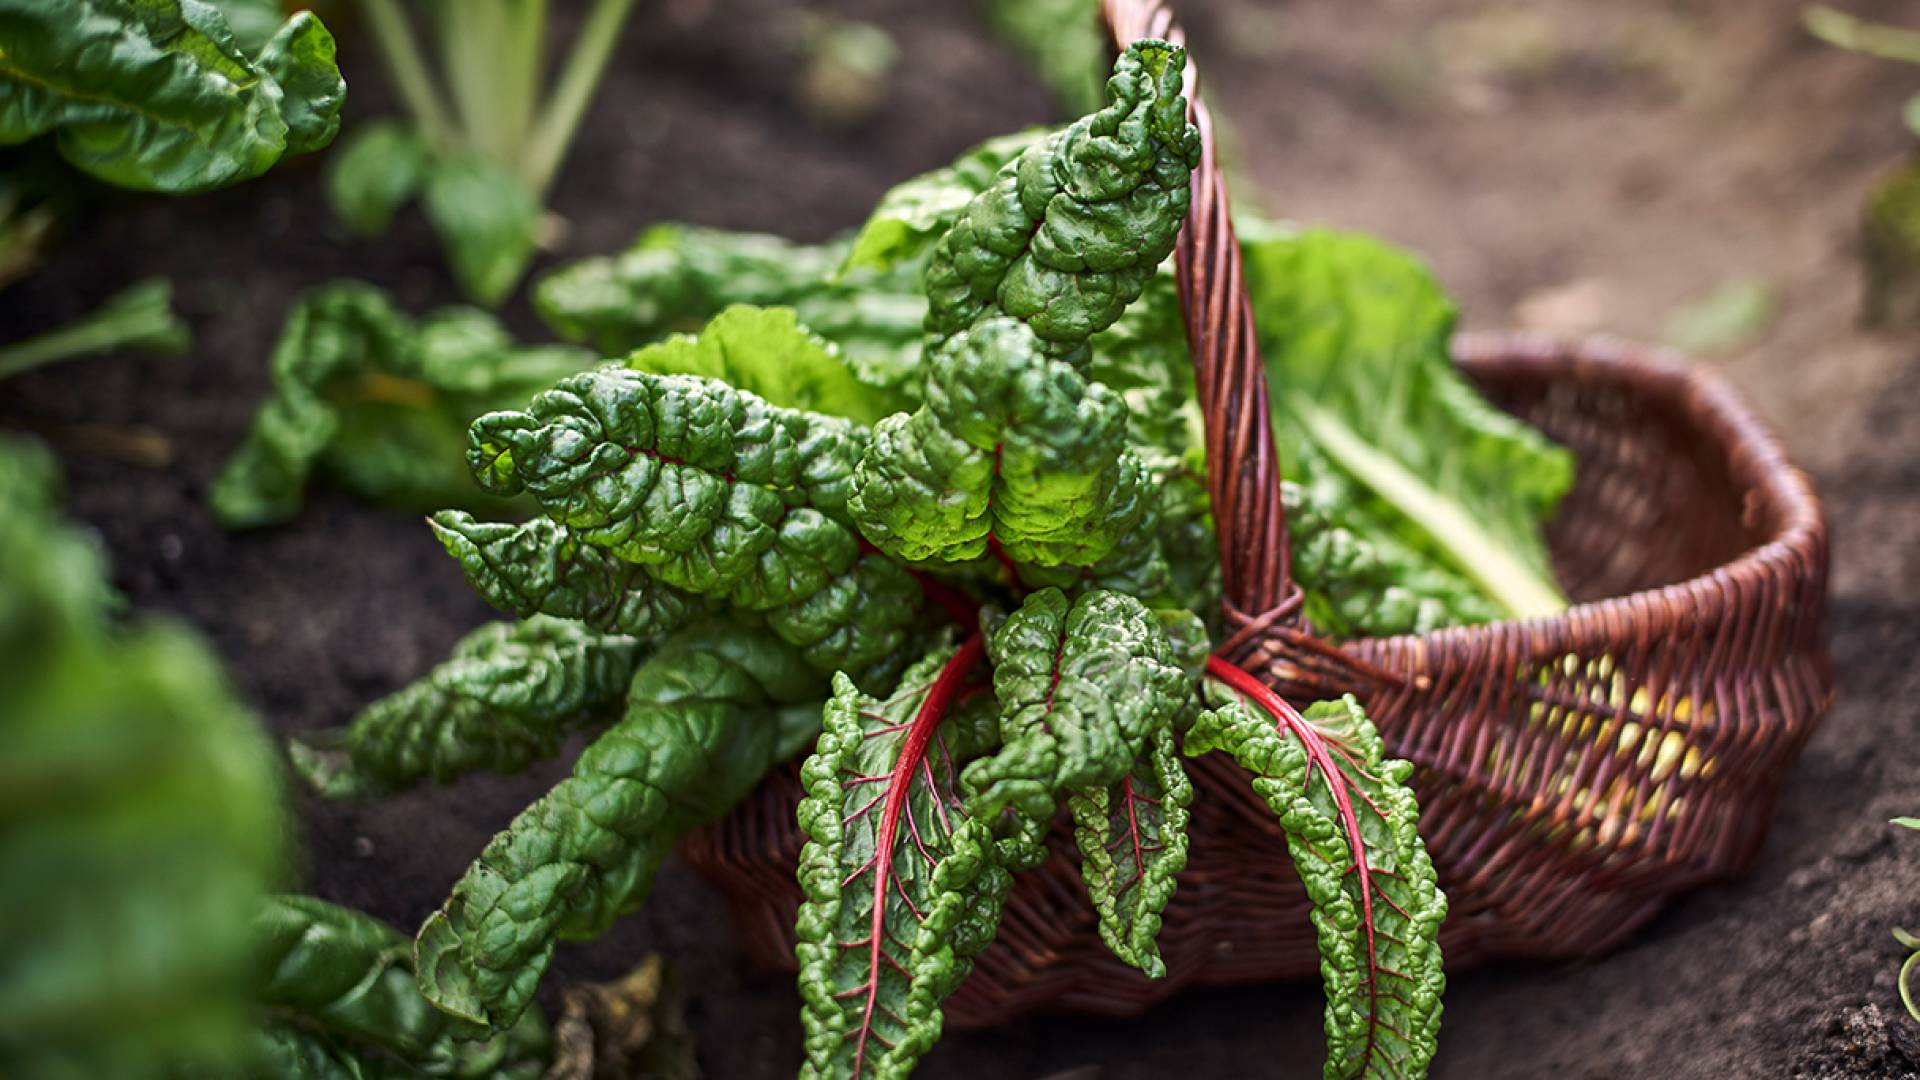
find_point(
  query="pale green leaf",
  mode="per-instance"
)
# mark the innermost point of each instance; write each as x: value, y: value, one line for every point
x: 487, y: 219
x: 1355, y: 335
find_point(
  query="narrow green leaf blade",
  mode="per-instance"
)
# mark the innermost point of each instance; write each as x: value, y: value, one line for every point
x: 902, y: 886
x: 1132, y: 838
x: 1351, y: 824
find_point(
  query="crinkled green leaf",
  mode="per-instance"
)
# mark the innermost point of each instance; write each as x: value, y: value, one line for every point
x: 487, y: 219
x: 378, y: 168
x: 676, y: 277
x: 1081, y: 684
x: 711, y: 488
x: 1068, y: 236
x: 380, y: 402
x: 1063, y: 40
x: 1089, y: 695
x: 1013, y: 451
x: 913, y: 215
x: 1355, y: 335
x: 347, y: 978
x: 903, y: 887
x: 156, y: 95
x: 1132, y: 837
x: 765, y: 351
x: 1351, y: 824
x: 505, y: 697
x: 862, y: 621
x: 538, y: 568
x: 287, y: 1051
x: 140, y: 817
x: 706, y: 716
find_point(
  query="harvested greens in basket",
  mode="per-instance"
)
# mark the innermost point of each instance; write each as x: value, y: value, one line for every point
x: 933, y: 518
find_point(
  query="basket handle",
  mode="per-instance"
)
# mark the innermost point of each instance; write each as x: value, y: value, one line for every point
x: 1243, y: 474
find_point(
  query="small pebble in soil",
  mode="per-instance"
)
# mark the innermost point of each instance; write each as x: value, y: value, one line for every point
x: 363, y: 847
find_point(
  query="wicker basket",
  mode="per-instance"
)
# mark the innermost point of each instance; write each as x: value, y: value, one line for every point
x: 1574, y: 772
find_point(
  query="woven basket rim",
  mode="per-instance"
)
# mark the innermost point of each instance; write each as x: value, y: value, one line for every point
x: 1770, y: 480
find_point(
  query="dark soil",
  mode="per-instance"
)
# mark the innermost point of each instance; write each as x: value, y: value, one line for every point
x: 1564, y: 165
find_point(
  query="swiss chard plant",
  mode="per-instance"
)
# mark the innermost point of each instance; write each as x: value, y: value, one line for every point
x: 162, y: 95
x: 172, y: 96
x: 485, y: 134
x: 954, y: 552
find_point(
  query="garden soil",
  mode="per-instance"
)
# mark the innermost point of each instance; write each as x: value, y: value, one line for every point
x: 1565, y: 166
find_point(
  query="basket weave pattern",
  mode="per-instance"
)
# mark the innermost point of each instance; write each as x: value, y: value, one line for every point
x: 1574, y: 773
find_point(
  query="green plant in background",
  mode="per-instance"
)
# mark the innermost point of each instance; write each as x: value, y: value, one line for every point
x: 968, y: 569
x: 141, y: 829
x: 1062, y: 39
x: 169, y: 96
x: 159, y: 95
x: 1910, y: 941
x: 336, y: 997
x: 484, y: 136
x: 140, y: 317
x: 139, y: 817
x: 1892, y: 223
x: 378, y: 401
x: 845, y: 64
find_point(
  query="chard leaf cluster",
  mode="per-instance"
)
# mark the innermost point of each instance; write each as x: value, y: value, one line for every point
x: 487, y: 128
x: 926, y: 507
